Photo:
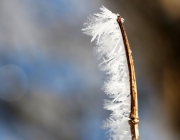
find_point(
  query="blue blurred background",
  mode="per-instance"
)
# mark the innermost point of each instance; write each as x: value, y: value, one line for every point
x: 50, y: 85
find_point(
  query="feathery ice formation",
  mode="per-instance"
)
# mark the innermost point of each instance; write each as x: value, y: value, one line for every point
x: 106, y: 34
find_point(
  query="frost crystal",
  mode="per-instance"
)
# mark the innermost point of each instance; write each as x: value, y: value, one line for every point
x: 106, y: 34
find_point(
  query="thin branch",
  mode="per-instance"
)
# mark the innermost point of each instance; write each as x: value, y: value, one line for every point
x: 134, y: 119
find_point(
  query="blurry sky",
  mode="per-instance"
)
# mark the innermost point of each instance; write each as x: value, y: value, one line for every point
x: 50, y: 85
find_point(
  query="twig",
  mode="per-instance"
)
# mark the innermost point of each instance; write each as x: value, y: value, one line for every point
x: 134, y: 119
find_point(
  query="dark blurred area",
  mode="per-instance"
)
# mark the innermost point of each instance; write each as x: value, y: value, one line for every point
x: 50, y: 85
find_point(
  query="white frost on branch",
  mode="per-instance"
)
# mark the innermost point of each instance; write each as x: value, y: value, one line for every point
x: 106, y: 33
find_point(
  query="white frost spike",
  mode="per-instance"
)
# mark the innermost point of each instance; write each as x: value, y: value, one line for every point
x: 105, y: 31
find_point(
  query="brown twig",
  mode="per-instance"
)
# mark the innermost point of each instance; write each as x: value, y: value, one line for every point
x: 134, y: 119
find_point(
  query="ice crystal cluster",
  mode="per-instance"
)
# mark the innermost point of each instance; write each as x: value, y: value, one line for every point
x: 106, y: 34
